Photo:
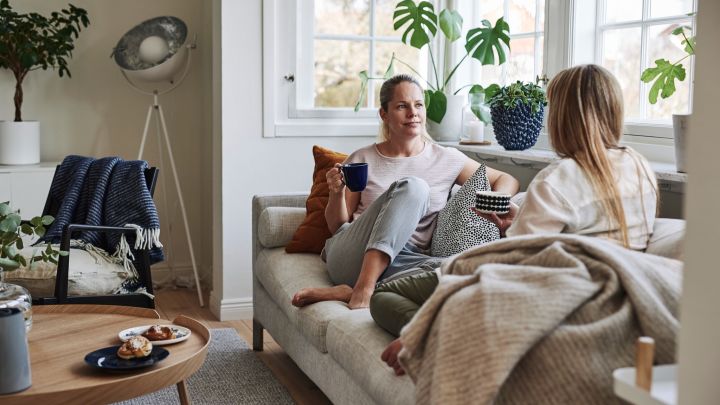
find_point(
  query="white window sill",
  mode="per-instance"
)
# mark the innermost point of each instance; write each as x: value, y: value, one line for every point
x: 668, y: 177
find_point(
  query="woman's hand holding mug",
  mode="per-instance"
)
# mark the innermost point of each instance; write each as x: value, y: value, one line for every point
x: 334, y: 179
x: 502, y: 221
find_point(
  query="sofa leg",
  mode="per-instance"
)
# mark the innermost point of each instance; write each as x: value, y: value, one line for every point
x: 257, y: 336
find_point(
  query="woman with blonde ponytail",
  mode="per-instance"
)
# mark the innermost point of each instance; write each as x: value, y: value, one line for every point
x: 598, y: 187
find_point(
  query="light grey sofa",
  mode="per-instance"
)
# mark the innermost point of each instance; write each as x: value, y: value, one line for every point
x: 337, y: 348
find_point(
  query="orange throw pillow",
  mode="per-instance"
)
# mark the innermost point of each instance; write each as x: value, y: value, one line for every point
x: 311, y: 235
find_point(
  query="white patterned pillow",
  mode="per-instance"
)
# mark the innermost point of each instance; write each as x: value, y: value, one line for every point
x: 458, y: 228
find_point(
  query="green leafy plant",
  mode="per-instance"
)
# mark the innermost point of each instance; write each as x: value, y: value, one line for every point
x: 31, y: 41
x: 486, y: 44
x: 664, y: 73
x: 11, y: 230
x: 515, y: 94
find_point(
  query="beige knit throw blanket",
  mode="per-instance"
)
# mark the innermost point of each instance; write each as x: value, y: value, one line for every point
x: 541, y: 320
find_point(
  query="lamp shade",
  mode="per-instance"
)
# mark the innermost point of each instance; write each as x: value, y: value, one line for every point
x: 153, y: 50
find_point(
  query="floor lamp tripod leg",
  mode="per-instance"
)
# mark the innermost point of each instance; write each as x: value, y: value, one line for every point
x: 145, y: 131
x: 182, y: 205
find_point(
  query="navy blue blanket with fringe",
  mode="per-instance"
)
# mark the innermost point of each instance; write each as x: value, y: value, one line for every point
x: 109, y: 192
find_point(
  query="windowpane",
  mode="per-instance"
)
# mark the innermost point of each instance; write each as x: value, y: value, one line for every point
x: 342, y: 17
x: 621, y: 55
x: 665, y: 8
x: 662, y: 44
x: 405, y: 53
x: 541, y: 19
x: 490, y: 10
x: 491, y: 74
x: 622, y: 10
x: 521, y: 64
x: 337, y: 64
x: 384, y: 10
x: 522, y: 16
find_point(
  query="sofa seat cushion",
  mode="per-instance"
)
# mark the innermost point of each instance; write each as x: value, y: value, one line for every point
x: 667, y: 238
x: 283, y: 275
x: 356, y: 343
x: 88, y: 274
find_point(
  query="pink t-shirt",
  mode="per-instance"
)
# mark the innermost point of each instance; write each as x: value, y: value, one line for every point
x: 437, y: 165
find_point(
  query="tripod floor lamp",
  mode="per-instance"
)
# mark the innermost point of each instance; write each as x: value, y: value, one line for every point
x: 153, y: 52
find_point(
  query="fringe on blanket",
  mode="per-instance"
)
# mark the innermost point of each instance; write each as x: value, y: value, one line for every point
x: 144, y: 239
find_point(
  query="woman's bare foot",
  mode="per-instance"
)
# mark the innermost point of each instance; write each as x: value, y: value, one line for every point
x: 390, y: 356
x: 308, y: 296
x: 360, y: 297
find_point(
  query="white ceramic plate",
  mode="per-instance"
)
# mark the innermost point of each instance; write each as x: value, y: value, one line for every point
x: 181, y: 332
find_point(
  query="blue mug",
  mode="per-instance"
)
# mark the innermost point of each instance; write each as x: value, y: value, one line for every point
x: 355, y: 176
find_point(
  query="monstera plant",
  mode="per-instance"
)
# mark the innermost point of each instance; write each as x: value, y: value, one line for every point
x: 487, y: 44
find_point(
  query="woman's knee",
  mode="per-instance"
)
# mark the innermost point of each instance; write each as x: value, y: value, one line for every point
x: 415, y: 186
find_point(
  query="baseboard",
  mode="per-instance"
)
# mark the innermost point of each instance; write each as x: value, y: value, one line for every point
x: 231, y: 309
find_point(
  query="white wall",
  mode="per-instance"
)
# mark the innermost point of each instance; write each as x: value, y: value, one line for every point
x: 96, y: 113
x: 249, y: 164
x: 700, y: 310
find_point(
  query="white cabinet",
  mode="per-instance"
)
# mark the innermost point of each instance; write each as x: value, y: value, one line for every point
x: 26, y: 187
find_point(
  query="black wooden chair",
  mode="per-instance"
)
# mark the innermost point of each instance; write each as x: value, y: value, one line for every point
x: 61, y: 277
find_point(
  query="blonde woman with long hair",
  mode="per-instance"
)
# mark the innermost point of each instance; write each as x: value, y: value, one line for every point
x: 598, y: 187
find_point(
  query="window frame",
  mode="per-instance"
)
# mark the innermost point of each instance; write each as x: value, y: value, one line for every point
x: 568, y: 25
x: 281, y: 51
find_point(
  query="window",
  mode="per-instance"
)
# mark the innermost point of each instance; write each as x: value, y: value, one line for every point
x: 314, y: 50
x: 626, y: 37
x: 349, y: 36
x: 527, y: 20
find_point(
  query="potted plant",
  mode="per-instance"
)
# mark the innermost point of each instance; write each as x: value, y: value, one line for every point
x: 29, y: 42
x: 11, y: 230
x: 517, y: 114
x: 663, y: 76
x: 444, y: 106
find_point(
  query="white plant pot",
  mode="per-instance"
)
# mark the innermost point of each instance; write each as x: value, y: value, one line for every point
x: 680, y: 130
x: 450, y: 128
x: 19, y: 143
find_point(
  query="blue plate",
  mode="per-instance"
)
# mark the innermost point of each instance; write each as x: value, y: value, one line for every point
x: 107, y: 359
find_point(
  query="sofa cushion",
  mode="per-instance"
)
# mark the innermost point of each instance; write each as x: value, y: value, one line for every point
x: 87, y: 275
x: 277, y: 225
x: 667, y: 238
x: 356, y: 343
x: 312, y: 233
x: 283, y: 275
x: 458, y: 228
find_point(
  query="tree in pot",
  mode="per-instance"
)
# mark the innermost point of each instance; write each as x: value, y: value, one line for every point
x: 663, y: 76
x: 517, y: 114
x: 483, y: 43
x: 28, y: 42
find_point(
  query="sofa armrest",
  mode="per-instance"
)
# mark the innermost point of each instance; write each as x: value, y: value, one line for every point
x: 278, y: 225
x: 262, y: 201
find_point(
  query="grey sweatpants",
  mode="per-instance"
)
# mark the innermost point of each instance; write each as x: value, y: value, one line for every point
x: 386, y: 225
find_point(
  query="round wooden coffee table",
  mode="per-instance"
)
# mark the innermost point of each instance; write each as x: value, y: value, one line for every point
x: 62, y: 335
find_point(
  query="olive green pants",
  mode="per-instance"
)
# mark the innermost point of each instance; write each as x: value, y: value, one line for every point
x: 395, y: 302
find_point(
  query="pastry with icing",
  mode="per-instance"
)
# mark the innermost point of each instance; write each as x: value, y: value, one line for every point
x: 159, y: 332
x: 136, y: 347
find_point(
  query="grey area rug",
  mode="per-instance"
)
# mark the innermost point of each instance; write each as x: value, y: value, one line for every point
x: 232, y: 374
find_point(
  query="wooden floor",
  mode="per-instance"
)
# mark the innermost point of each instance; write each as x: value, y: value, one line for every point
x: 173, y: 302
